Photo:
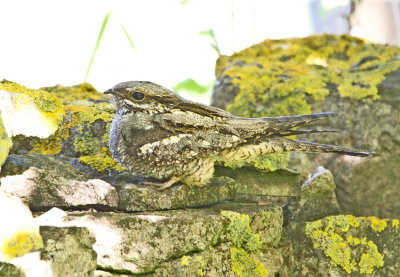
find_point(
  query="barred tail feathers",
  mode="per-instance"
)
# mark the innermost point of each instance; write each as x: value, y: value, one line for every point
x: 281, y: 123
x: 297, y: 145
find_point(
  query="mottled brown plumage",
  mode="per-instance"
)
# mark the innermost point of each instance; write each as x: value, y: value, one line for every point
x: 157, y: 133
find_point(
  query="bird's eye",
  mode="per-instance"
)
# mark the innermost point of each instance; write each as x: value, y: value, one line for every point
x: 138, y: 96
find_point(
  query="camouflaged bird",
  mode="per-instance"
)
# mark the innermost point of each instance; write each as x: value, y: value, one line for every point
x: 156, y: 133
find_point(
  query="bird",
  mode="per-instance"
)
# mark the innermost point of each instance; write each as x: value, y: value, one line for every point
x: 158, y: 134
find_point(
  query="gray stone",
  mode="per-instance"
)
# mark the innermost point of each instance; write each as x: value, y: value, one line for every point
x: 69, y: 251
x: 10, y: 270
x: 142, y: 243
x: 279, y: 183
x: 317, y: 199
x: 144, y: 198
x: 42, y: 190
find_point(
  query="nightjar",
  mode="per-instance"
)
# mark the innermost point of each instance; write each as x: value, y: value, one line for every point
x: 156, y: 133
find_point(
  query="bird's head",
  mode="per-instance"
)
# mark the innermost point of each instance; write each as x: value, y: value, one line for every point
x: 141, y: 96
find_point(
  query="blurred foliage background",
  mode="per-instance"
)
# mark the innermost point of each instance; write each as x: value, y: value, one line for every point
x: 171, y: 42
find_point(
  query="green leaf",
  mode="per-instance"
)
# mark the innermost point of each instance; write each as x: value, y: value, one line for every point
x: 96, y: 47
x: 191, y: 86
x: 210, y: 33
x: 128, y: 36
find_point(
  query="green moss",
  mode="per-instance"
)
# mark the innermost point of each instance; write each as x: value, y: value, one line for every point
x: 239, y: 232
x: 334, y: 237
x: 20, y: 243
x: 284, y: 77
x: 50, y: 106
x: 5, y: 143
x: 244, y: 265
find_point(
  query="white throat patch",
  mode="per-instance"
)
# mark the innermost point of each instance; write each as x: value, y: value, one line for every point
x: 136, y: 105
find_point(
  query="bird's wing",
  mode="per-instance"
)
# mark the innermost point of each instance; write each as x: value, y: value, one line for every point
x: 206, y: 129
x: 211, y: 117
x: 281, y: 126
x: 195, y: 132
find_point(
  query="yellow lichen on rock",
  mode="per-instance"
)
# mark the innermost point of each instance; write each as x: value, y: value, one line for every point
x: 5, y: 143
x: 395, y: 223
x: 29, y: 112
x: 377, y: 224
x: 240, y: 235
x: 288, y: 70
x: 245, y: 266
x: 239, y: 232
x: 101, y: 161
x: 195, y: 263
x: 19, y: 234
x: 20, y: 243
x: 88, y: 123
x: 79, y: 95
x: 334, y: 236
x: 371, y: 259
x: 285, y: 77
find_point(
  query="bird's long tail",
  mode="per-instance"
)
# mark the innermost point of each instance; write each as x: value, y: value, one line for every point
x: 288, y: 122
x: 285, y: 124
x: 297, y: 145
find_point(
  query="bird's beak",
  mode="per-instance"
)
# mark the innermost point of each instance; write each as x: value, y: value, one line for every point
x: 109, y: 91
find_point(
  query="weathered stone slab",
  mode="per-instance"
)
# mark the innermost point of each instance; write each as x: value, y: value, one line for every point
x: 46, y: 181
x: 317, y: 199
x: 251, y: 181
x: 69, y: 251
x: 140, y: 243
x: 135, y: 198
x: 42, y: 190
x: 343, y: 245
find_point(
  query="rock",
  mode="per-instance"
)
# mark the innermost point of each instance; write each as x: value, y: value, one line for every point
x: 69, y: 251
x: 10, y: 270
x: 18, y: 232
x: 46, y: 181
x: 143, y: 243
x: 83, y: 134
x: 26, y: 112
x: 116, y: 224
x: 327, y: 73
x: 5, y: 143
x: 42, y: 190
x: 317, y: 191
x: 278, y: 183
x: 342, y: 245
x: 142, y: 198
x: 29, y: 112
x: 318, y: 241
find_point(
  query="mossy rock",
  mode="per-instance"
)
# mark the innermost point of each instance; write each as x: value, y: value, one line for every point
x: 9, y: 270
x: 30, y: 112
x: 5, y: 143
x: 327, y: 73
x: 342, y: 245
x: 189, y: 241
x: 69, y: 250
x: 84, y: 132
